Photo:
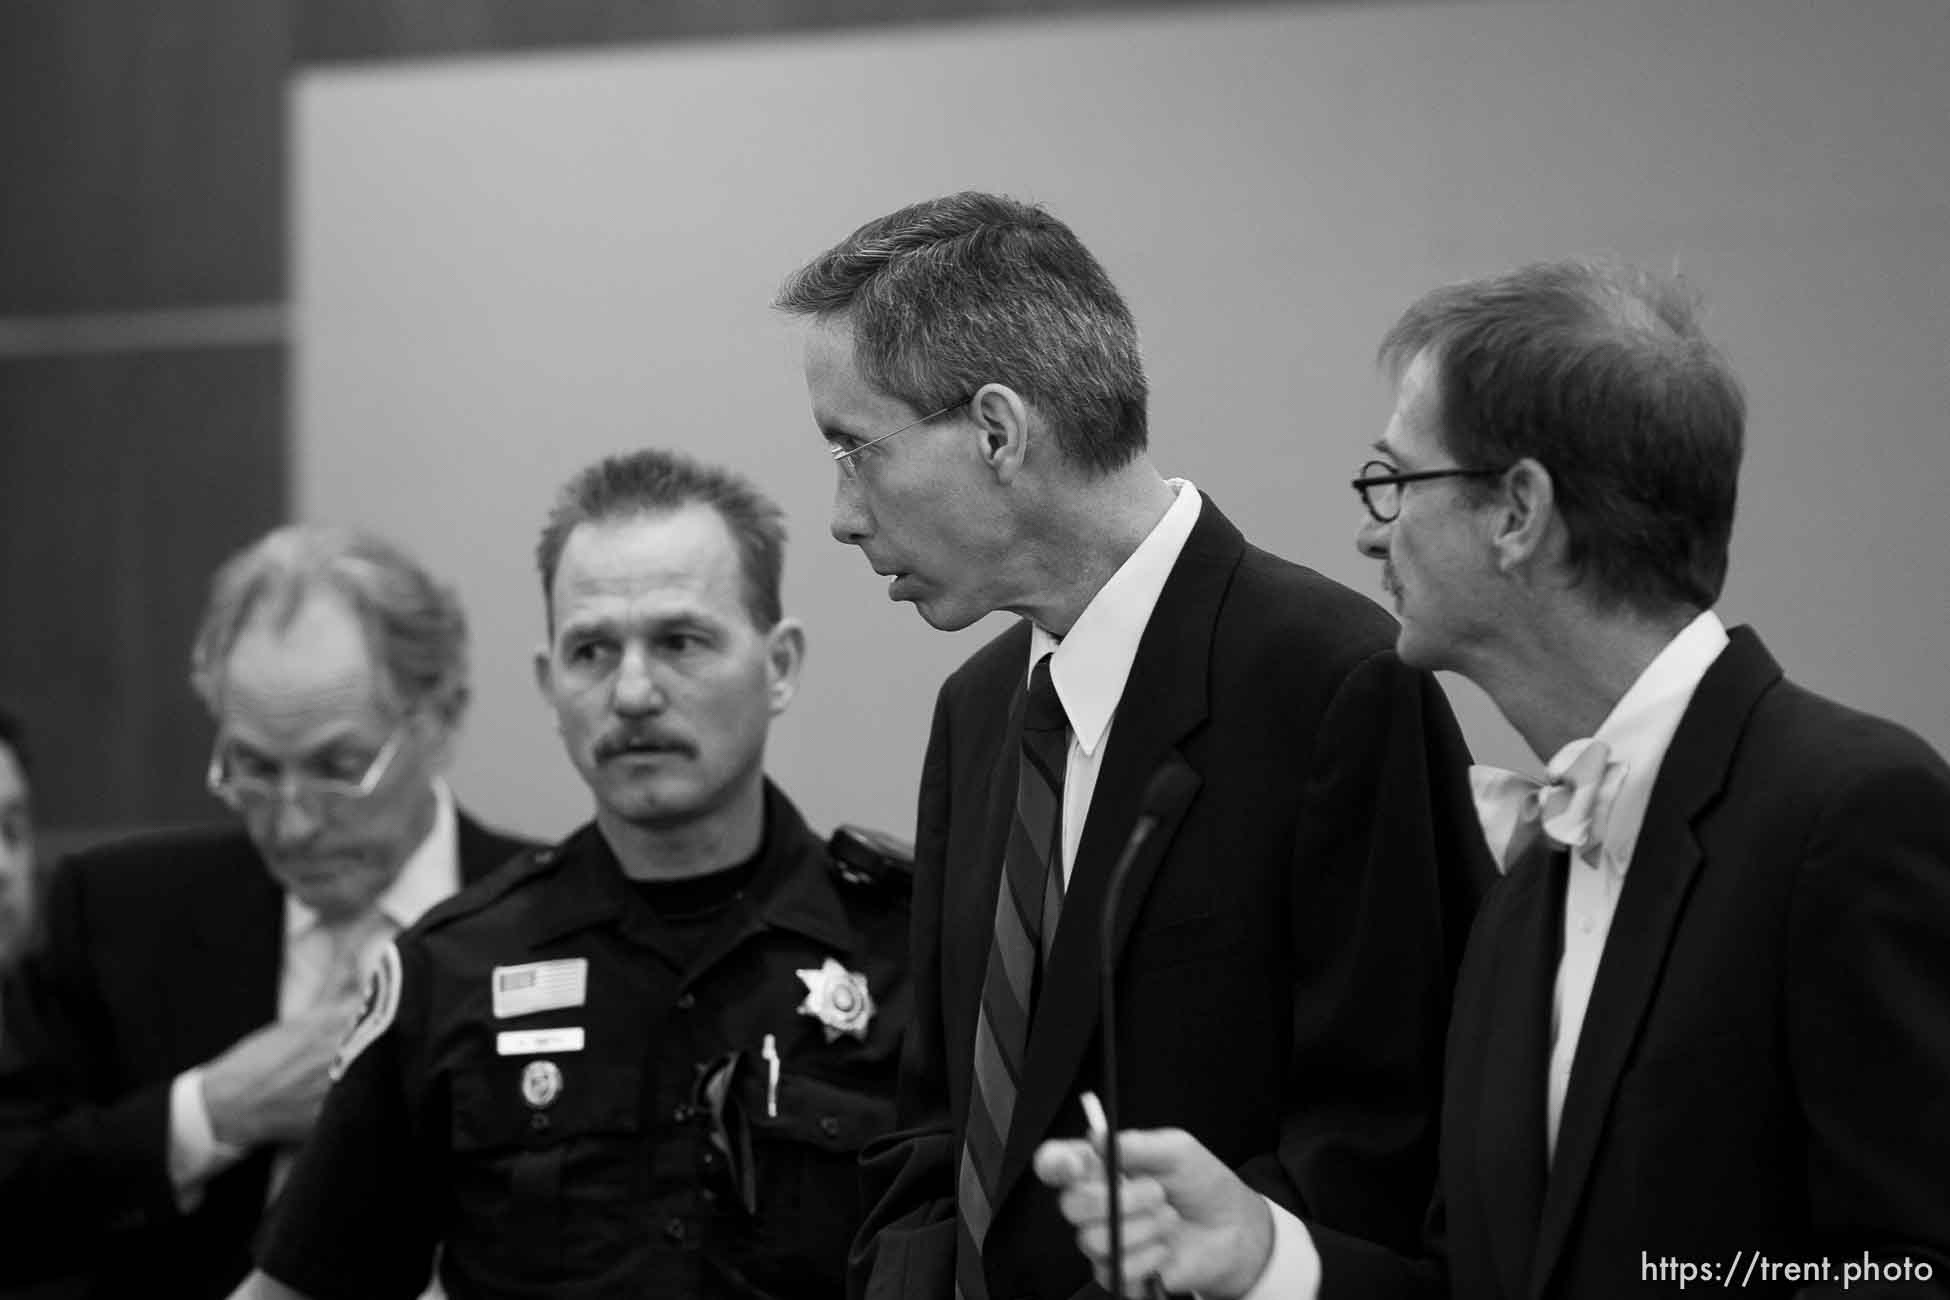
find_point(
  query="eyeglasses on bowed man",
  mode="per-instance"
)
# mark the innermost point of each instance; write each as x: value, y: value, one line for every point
x: 1380, y: 486
x: 250, y: 782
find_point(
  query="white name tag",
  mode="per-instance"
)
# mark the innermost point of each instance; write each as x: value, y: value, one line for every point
x: 540, y: 986
x: 532, y: 1042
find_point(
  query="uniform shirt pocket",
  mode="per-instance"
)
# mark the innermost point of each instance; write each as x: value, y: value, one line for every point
x: 545, y: 1177
x: 806, y: 1159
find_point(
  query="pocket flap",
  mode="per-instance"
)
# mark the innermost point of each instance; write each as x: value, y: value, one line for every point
x: 492, y: 1107
x: 830, y: 1116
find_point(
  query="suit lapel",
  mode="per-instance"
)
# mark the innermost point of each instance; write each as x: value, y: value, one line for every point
x: 229, y: 986
x: 1170, y: 676
x: 1508, y: 1128
x: 1664, y: 864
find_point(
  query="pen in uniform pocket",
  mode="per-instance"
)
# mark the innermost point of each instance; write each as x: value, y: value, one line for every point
x: 769, y: 1049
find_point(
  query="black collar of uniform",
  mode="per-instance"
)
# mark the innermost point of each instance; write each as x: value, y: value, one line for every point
x: 793, y: 888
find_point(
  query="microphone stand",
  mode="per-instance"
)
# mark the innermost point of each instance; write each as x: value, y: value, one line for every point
x: 1165, y: 789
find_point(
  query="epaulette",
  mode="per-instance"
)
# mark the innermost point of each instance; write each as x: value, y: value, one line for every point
x: 868, y: 858
x: 492, y: 887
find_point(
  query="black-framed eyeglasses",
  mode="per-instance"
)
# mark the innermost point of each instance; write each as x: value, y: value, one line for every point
x: 1380, y: 486
x: 843, y: 456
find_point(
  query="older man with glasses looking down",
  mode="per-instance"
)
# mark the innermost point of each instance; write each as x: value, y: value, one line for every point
x: 168, y: 1046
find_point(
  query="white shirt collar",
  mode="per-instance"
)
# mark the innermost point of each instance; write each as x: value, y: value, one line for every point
x: 431, y: 873
x: 1640, y: 726
x: 1093, y: 662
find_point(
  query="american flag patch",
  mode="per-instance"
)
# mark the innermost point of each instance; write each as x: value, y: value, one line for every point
x: 540, y: 986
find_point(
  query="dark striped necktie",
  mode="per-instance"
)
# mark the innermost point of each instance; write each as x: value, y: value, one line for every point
x: 1026, y: 908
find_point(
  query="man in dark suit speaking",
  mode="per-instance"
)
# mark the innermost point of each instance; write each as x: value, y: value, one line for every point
x: 1287, y: 939
x: 1702, y: 1032
x: 167, y: 1046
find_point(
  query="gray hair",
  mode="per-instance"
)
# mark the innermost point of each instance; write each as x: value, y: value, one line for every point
x: 1602, y: 374
x: 953, y: 293
x: 414, y: 625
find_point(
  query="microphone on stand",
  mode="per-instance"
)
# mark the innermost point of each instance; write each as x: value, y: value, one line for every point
x: 1168, y: 788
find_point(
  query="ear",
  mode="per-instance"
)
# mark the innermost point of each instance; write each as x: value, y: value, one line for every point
x: 1002, y: 422
x: 544, y: 675
x: 1526, y: 522
x: 785, y: 654
x: 447, y: 715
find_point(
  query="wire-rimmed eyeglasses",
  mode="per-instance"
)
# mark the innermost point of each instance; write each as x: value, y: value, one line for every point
x: 263, y: 784
x: 843, y: 456
x: 1380, y: 486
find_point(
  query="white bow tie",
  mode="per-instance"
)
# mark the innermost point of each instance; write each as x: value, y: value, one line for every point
x: 1569, y: 805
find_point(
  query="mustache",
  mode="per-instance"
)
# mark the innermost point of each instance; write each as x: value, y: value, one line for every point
x: 628, y: 740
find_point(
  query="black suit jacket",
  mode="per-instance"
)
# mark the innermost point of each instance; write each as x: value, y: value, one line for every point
x: 1763, y: 1075
x: 1286, y: 944
x: 161, y: 952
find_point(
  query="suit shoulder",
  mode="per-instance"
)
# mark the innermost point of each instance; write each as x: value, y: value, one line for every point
x: 163, y: 864
x: 1296, y: 594
x: 1291, y: 611
x: 1835, y: 744
x: 484, y: 847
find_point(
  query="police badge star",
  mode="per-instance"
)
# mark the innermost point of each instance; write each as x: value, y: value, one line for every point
x: 838, y: 999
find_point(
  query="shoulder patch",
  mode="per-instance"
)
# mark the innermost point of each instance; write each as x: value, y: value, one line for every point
x: 875, y: 859
x: 376, y: 1017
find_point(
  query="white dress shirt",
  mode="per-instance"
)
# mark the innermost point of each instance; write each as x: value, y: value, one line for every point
x: 1092, y: 663
x: 319, y: 960
x: 1090, y: 668
x: 1637, y: 730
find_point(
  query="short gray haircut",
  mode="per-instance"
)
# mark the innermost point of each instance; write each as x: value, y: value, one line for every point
x: 956, y: 292
x: 414, y: 625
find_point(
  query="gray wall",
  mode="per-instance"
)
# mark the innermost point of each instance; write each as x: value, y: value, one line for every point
x: 505, y: 268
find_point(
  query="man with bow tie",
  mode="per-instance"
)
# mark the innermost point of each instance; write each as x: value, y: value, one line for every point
x: 1706, y: 1015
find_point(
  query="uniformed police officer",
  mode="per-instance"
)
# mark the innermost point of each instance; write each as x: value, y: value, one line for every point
x: 642, y: 1062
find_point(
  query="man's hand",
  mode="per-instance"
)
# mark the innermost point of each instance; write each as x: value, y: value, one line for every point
x: 270, y: 1085
x: 1187, y: 1217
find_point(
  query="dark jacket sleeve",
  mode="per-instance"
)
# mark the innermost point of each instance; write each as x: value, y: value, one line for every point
x: 1868, y: 1017
x: 906, y: 1247
x: 81, y: 1156
x: 1390, y: 865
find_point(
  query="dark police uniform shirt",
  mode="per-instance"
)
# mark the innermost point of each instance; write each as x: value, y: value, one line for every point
x: 613, y: 1130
